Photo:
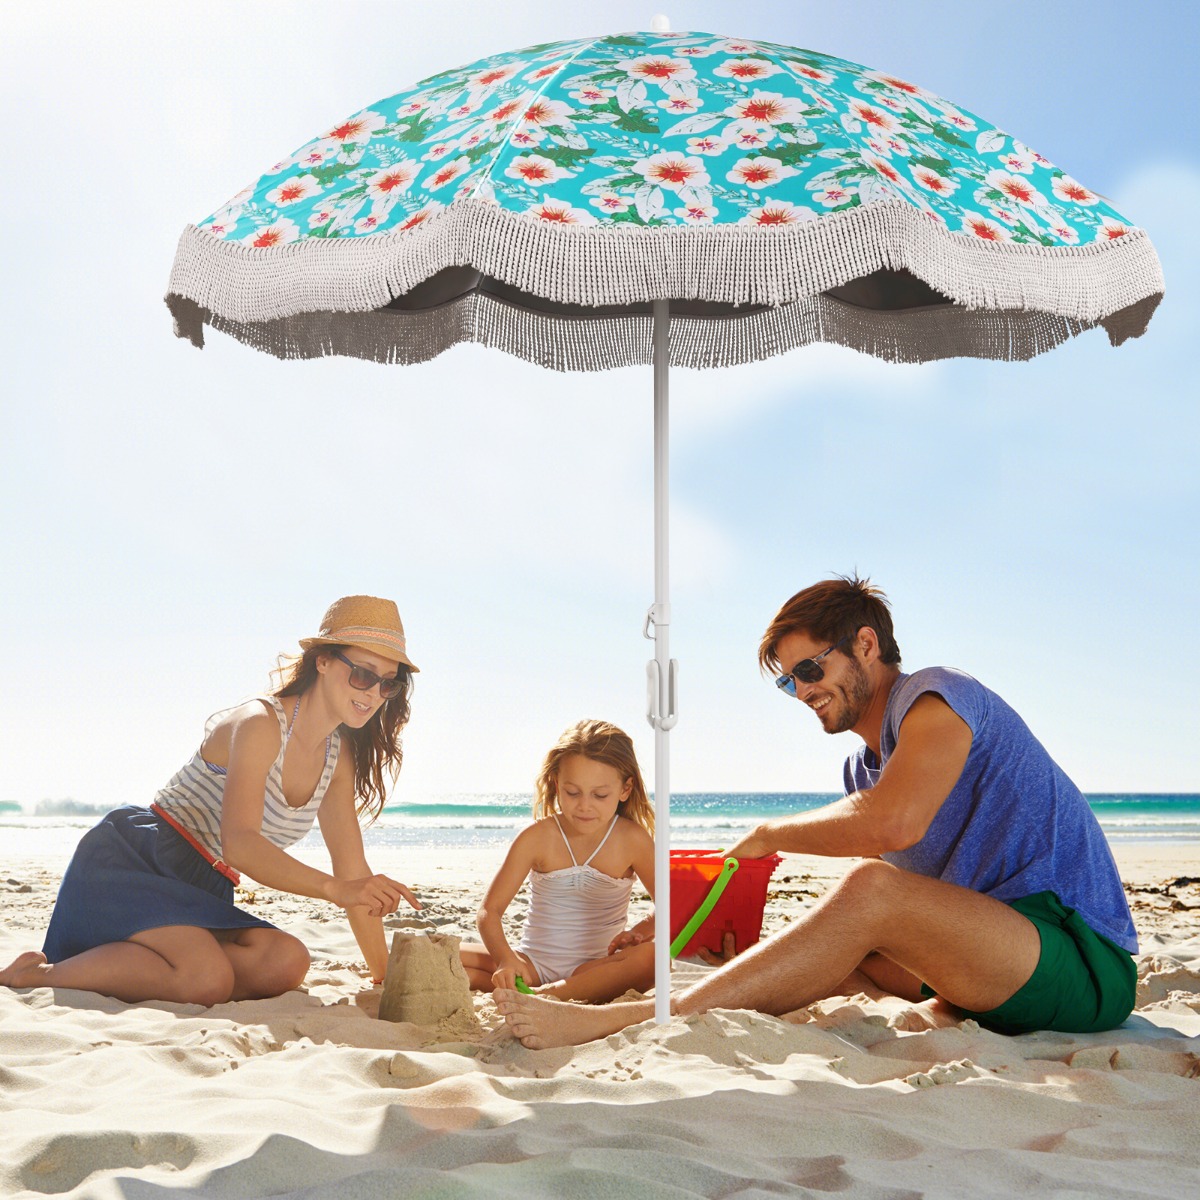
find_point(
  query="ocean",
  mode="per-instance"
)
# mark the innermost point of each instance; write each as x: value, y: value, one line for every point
x: 699, y: 820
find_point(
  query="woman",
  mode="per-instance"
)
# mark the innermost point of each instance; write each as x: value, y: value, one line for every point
x: 145, y: 910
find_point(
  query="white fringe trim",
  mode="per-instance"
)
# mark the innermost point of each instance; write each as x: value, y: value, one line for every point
x: 318, y: 297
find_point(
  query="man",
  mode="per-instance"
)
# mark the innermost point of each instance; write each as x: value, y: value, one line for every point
x: 984, y: 879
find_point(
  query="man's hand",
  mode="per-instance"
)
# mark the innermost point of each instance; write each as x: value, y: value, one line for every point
x: 754, y: 845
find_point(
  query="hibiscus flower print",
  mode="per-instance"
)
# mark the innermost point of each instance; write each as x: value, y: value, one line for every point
x: 985, y: 230
x: 560, y: 212
x: 543, y: 112
x: 696, y: 214
x: 392, y: 181
x: 833, y: 195
x: 611, y: 202
x: 673, y: 171
x: 1016, y: 164
x: 1072, y: 191
x: 278, y: 233
x: 357, y: 129
x: 759, y: 172
x: 291, y: 191
x: 746, y: 70
x: 527, y: 137
x: 492, y: 77
x: 591, y: 94
x: 811, y: 72
x: 1111, y: 229
x: 779, y: 212
x: 446, y: 173
x: 535, y: 171
x: 221, y: 229
x: 681, y: 104
x: 934, y: 181
x: 706, y: 145
x: 750, y: 137
x: 873, y: 117
x: 1017, y: 188
x: 420, y: 217
x: 768, y: 108
x: 659, y: 69
x: 882, y: 167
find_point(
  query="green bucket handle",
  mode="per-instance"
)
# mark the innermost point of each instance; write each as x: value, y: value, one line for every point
x: 706, y: 906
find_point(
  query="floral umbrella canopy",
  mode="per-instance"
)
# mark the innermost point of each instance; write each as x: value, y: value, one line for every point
x: 676, y: 198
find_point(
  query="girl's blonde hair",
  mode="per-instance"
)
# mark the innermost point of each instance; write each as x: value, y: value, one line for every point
x: 602, y: 742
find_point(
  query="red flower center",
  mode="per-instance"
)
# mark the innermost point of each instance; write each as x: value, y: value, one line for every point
x: 761, y: 110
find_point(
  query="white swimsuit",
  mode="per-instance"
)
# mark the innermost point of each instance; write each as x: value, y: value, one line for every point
x: 574, y: 914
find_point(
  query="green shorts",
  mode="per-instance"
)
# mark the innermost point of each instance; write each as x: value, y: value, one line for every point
x: 1083, y: 983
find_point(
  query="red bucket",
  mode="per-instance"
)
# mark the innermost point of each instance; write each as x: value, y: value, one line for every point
x: 739, y: 910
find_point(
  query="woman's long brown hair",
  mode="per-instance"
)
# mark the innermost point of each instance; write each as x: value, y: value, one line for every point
x: 376, y: 746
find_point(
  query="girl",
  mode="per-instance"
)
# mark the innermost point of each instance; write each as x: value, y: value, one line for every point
x: 593, y: 832
x: 145, y: 910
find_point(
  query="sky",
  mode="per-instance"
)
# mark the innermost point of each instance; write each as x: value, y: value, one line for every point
x: 174, y: 519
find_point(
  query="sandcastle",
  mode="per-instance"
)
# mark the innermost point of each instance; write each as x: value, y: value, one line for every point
x: 425, y: 982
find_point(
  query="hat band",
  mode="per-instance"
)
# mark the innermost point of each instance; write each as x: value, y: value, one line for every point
x: 351, y: 633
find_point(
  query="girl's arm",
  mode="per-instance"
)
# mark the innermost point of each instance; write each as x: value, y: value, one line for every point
x: 254, y: 742
x: 642, y: 854
x: 513, y: 872
x: 343, y: 839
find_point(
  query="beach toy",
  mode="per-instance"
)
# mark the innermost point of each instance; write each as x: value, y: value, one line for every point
x: 522, y: 986
x: 712, y: 896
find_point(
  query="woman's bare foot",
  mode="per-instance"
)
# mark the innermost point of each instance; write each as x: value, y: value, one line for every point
x: 540, y: 1023
x: 26, y: 970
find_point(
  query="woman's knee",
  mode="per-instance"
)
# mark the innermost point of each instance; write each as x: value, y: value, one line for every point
x: 279, y: 963
x: 205, y: 979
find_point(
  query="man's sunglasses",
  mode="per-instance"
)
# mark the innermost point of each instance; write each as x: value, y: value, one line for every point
x: 808, y: 670
x: 364, y: 679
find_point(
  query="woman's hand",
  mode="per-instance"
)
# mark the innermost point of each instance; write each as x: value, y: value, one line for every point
x: 378, y: 894
x: 628, y: 937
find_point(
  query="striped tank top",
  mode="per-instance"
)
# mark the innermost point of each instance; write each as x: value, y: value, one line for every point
x: 193, y: 795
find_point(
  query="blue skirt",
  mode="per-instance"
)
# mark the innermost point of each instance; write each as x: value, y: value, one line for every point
x: 133, y: 872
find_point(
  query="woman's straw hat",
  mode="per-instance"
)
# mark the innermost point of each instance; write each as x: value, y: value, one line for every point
x: 365, y: 621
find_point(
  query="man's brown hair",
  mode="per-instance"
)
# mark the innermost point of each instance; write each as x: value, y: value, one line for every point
x: 830, y: 611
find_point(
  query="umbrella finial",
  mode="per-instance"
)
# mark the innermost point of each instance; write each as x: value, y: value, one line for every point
x: 660, y: 23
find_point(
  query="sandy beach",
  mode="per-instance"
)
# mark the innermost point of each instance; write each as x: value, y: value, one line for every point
x: 311, y: 1094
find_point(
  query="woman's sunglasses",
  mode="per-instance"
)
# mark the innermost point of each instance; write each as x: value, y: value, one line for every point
x: 808, y: 670
x: 364, y: 679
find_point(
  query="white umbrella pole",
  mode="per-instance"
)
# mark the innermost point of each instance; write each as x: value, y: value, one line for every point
x: 661, y: 673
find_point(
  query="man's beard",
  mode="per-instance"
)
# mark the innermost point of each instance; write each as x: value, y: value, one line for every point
x: 856, y: 696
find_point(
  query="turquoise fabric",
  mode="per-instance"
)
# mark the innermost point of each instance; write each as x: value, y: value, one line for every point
x: 664, y: 129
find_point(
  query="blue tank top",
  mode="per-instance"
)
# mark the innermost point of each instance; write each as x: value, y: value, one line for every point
x: 1014, y: 824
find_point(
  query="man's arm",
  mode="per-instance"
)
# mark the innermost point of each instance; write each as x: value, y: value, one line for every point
x: 931, y: 751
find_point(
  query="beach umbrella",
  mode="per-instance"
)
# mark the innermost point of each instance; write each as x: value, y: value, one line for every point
x: 681, y: 199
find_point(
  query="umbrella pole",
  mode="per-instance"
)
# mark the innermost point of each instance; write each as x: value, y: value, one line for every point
x: 662, y: 672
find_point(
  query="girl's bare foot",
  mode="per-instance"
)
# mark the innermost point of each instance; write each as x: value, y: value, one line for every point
x: 540, y: 1023
x: 26, y: 970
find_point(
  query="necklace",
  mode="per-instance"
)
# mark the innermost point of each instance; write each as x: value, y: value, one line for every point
x: 295, y: 714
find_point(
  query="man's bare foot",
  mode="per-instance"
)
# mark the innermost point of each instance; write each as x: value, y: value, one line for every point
x: 540, y: 1023
x: 24, y: 971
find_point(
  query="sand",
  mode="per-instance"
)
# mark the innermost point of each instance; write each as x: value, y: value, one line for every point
x: 311, y: 1095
